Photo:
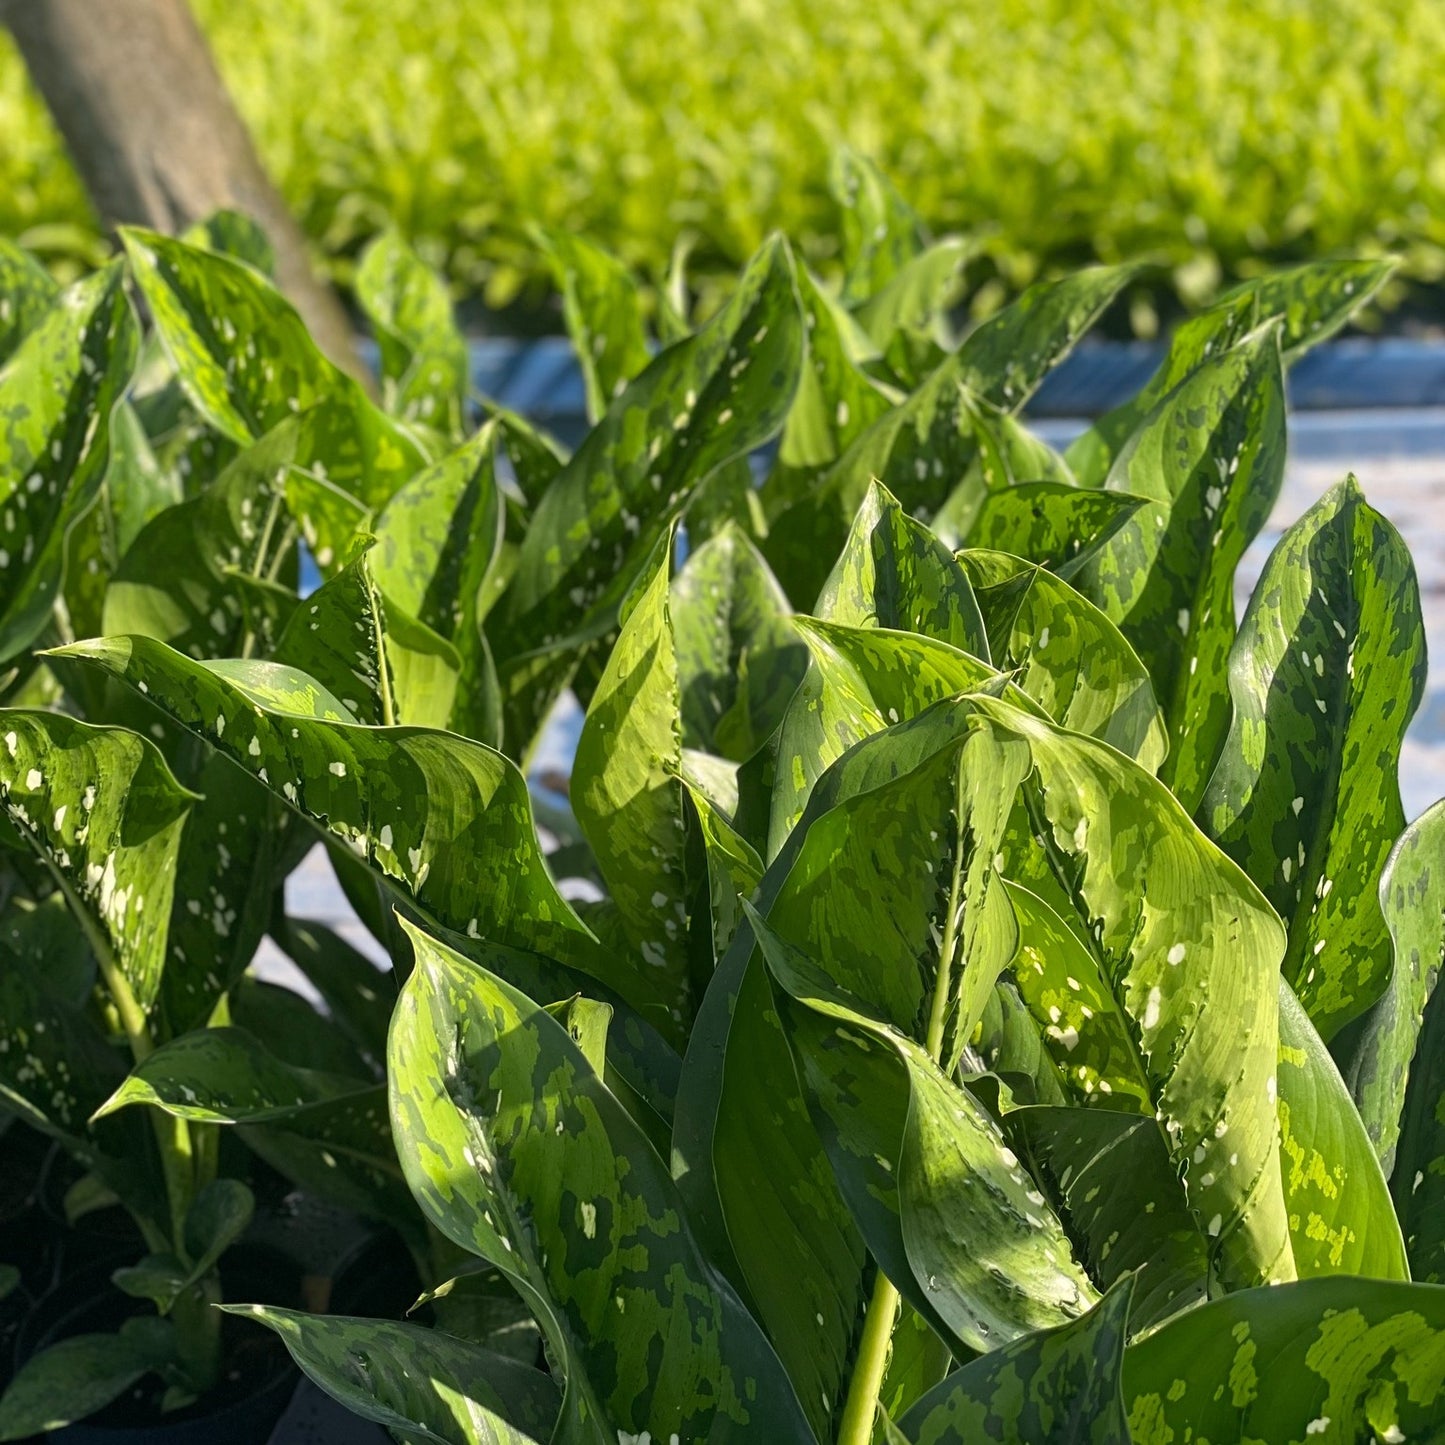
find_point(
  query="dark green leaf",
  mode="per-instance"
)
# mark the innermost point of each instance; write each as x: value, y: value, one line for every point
x: 176, y: 583
x: 1414, y: 902
x: 1119, y: 1195
x: 76, y: 1377
x: 233, y: 233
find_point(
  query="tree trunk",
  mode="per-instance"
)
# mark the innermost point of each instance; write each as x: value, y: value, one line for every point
x: 154, y: 135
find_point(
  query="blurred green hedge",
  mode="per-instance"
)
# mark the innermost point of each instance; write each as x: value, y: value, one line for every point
x: 1212, y: 135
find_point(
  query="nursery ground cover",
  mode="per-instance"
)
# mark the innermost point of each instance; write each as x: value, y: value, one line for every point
x: 1209, y: 136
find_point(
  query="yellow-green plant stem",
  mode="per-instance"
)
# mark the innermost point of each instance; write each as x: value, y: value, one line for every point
x: 860, y: 1409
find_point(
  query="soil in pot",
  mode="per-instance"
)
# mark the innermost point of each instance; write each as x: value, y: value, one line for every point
x: 257, y: 1377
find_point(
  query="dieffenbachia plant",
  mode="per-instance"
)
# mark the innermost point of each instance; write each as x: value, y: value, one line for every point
x: 967, y: 987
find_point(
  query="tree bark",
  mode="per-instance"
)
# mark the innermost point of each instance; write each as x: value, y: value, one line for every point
x: 153, y: 133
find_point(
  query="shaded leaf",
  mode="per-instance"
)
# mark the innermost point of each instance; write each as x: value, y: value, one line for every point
x: 738, y: 656
x: 1117, y: 1191
x: 1415, y: 910
x: 77, y: 1376
x: 938, y: 1195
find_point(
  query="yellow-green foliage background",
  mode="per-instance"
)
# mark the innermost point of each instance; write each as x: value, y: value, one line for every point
x: 1205, y: 133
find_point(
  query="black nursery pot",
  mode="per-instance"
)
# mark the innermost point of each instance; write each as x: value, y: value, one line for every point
x: 257, y: 1379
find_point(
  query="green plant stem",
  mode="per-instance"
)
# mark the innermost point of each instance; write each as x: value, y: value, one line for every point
x: 860, y: 1409
x: 173, y: 1138
x: 943, y: 975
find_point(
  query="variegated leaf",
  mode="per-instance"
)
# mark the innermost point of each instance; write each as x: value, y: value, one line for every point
x: 518, y: 1153
x: 1336, y: 1361
x: 248, y: 363
x: 1063, y: 1384
x: 57, y: 392
x: 700, y: 404
x: 443, y: 822
x: 101, y: 811
x: 602, y: 306
x: 1312, y: 301
x: 1065, y: 654
x: 628, y: 796
x: 1210, y: 460
x: 1327, y: 670
x: 421, y: 1383
x: 424, y: 365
